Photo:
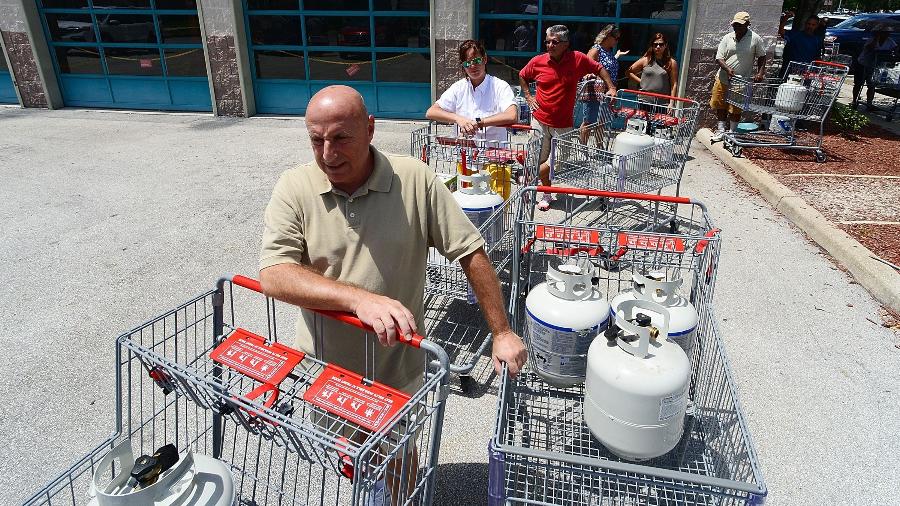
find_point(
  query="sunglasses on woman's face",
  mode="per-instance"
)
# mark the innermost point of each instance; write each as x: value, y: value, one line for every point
x: 474, y: 61
x: 659, y: 44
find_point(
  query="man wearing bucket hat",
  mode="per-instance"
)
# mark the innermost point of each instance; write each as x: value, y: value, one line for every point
x: 736, y: 54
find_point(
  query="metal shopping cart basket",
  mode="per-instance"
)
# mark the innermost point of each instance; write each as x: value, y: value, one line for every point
x: 542, y: 451
x: 289, y: 428
x: 595, y: 164
x: 449, y: 153
x: 453, y: 157
x: 885, y: 80
x: 808, y: 95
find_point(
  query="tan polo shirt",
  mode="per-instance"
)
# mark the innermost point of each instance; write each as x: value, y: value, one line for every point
x: 376, y: 239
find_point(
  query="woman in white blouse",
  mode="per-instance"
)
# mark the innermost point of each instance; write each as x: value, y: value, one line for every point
x: 479, y: 103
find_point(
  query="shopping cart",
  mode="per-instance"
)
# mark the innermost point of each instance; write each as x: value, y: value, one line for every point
x: 510, y: 162
x: 290, y: 428
x: 542, y: 452
x: 670, y: 121
x: 885, y: 81
x: 449, y: 153
x: 815, y: 86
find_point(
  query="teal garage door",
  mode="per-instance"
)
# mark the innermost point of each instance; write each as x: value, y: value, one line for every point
x: 7, y: 92
x: 379, y: 47
x: 130, y: 54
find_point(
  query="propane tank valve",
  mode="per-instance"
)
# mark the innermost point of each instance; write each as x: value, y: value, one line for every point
x: 611, y: 333
x: 644, y: 320
x: 146, y: 469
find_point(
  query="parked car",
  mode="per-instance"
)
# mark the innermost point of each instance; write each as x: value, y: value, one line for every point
x: 852, y: 33
x: 831, y: 20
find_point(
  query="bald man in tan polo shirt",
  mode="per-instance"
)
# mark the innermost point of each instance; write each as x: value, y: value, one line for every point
x: 351, y: 232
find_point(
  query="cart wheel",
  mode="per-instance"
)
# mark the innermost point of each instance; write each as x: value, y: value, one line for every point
x: 737, y: 151
x: 820, y: 156
x: 466, y: 384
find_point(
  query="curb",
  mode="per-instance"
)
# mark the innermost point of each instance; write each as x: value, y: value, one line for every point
x: 882, y: 281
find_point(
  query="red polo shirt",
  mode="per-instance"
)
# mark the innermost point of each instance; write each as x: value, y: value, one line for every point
x: 557, y: 84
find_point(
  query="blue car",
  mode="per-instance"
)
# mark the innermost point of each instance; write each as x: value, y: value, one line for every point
x: 852, y: 33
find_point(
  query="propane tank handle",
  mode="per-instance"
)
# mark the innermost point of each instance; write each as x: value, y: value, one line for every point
x: 117, y: 495
x: 646, y: 288
x: 626, y: 312
x: 571, y: 280
x: 122, y: 453
x: 479, y: 183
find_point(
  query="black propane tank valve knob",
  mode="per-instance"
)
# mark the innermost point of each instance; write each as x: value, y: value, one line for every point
x: 611, y: 332
x: 642, y: 320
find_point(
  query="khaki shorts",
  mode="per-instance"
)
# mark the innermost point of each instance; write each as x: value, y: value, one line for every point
x: 717, y: 101
x: 547, y: 133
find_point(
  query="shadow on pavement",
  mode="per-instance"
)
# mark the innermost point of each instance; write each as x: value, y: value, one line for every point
x: 462, y: 483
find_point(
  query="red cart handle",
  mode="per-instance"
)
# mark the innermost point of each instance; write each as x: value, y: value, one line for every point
x: 657, y: 95
x: 830, y: 64
x: 251, y: 284
x: 616, y: 195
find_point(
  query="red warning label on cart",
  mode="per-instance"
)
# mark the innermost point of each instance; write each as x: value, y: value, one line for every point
x: 504, y: 155
x: 567, y: 234
x: 248, y: 354
x: 651, y: 242
x: 343, y: 393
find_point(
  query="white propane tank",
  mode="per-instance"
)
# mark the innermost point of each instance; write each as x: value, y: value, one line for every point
x: 653, y: 288
x: 635, y: 390
x: 781, y: 124
x: 663, y: 139
x: 791, y: 95
x: 633, y: 140
x: 779, y: 48
x: 479, y: 202
x: 194, y: 480
x: 564, y: 314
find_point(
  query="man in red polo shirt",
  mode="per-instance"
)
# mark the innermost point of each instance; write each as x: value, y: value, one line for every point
x: 557, y: 73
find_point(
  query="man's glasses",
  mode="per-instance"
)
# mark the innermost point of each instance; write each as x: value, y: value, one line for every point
x: 551, y: 42
x: 474, y: 61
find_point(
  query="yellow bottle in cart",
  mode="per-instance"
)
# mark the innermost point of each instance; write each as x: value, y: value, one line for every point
x: 501, y: 175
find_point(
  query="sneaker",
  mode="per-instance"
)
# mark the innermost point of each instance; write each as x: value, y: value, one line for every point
x: 546, y: 200
x: 379, y: 495
x: 718, y: 136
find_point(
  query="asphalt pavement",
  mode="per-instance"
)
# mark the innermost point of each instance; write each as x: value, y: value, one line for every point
x: 108, y: 218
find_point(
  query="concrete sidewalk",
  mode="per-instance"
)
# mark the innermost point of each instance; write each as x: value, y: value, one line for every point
x: 110, y: 218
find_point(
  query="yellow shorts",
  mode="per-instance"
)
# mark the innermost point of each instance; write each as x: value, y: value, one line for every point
x: 717, y: 101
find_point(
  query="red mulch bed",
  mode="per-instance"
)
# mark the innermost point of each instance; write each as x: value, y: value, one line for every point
x: 874, y: 151
x: 875, y: 237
